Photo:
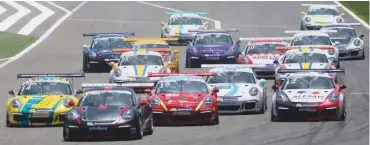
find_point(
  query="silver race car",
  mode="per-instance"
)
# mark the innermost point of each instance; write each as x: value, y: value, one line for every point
x: 239, y: 89
x: 320, y: 14
x: 179, y: 24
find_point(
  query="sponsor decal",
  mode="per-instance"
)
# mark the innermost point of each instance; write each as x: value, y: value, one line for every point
x: 308, y: 97
x: 43, y: 110
x: 40, y: 114
x: 184, y: 109
x: 306, y: 105
x: 102, y: 123
x: 316, y: 92
x: 230, y: 98
x: 173, y: 109
x: 272, y: 57
x: 172, y: 95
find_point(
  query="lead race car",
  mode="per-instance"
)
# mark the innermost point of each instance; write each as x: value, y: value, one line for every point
x: 135, y: 65
x: 305, y: 58
x: 212, y: 46
x: 320, y: 14
x: 262, y: 51
x: 309, y: 94
x: 239, y: 89
x: 179, y: 24
x: 183, y: 98
x: 98, y: 54
x: 43, y: 100
x: 351, y: 44
x: 109, y: 110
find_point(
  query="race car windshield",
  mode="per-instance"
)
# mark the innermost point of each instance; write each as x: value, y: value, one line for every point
x: 311, y: 40
x: 182, y: 86
x: 263, y: 48
x: 45, y: 88
x: 323, y: 11
x: 108, y: 98
x: 213, y: 38
x: 185, y: 21
x: 343, y: 36
x: 110, y: 43
x: 305, y: 58
x: 152, y: 46
x: 141, y: 60
x: 308, y: 82
x: 232, y: 77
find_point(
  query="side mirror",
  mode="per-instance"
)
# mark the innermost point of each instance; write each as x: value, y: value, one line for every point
x: 334, y: 61
x: 111, y: 63
x: 148, y: 91
x: 361, y: 36
x: 302, y: 14
x: 85, y: 46
x: 336, y: 43
x: 79, y: 92
x: 163, y: 23
x: 143, y: 102
x: 238, y: 41
x: 11, y: 92
x: 342, y: 14
x: 263, y: 83
x: 215, y: 90
x: 276, y: 61
x: 274, y: 87
x: 342, y: 87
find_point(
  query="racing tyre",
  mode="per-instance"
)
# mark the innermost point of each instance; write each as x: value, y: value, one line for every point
x: 338, y: 66
x: 363, y: 56
x: 216, y: 121
x: 343, y: 116
x: 7, y: 121
x: 263, y: 108
x: 150, y: 128
x: 84, y: 65
x: 68, y: 135
x: 139, y: 133
x: 302, y: 28
x: 274, y: 118
x: 187, y: 61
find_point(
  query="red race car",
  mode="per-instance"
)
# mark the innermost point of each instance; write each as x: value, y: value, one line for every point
x: 183, y: 98
x: 262, y: 51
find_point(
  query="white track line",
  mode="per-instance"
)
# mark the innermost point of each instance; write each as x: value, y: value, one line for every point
x: 22, y: 11
x: 44, y: 36
x: 2, y: 10
x: 366, y: 25
x: 57, y: 6
x: 36, y: 21
x: 217, y: 23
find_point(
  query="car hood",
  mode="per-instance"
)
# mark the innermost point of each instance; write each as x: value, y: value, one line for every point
x: 108, y: 54
x: 263, y: 58
x: 308, y: 95
x: 177, y: 29
x: 212, y: 48
x: 139, y: 70
x: 323, y: 18
x: 42, y: 102
x: 102, y: 112
x: 343, y: 42
x: 306, y: 65
x: 181, y: 99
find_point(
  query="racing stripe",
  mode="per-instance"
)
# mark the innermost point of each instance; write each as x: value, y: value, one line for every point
x: 51, y: 114
x: 306, y: 49
x: 318, y: 20
x: 27, y: 108
x: 181, y: 28
x: 233, y: 91
x: 135, y: 69
x: 145, y: 68
x: 177, y: 30
x: 86, y: 114
x: 306, y: 65
x: 140, y: 69
x: 141, y: 51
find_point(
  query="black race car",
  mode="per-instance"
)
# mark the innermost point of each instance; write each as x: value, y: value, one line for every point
x: 98, y: 54
x: 108, y: 110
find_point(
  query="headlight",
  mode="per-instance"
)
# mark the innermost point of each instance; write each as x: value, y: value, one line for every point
x: 253, y: 91
x: 193, y: 49
x: 66, y: 103
x: 232, y: 49
x: 128, y: 115
x: 331, y: 51
x: 333, y: 98
x: 281, y: 97
x: 167, y: 30
x: 16, y: 103
x: 117, y: 73
x: 308, y: 19
x: 339, y: 20
x: 73, y: 115
x: 357, y: 42
x: 155, y: 102
x: 92, y: 54
x: 208, y: 101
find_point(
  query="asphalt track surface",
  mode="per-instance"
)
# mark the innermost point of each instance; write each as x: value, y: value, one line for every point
x: 61, y: 52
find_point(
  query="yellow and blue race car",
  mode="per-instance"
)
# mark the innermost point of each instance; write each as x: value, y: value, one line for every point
x: 42, y: 100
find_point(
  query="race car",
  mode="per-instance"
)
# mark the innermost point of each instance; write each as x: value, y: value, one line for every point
x: 109, y: 110
x: 320, y: 14
x: 179, y: 24
x: 239, y: 89
x: 212, y: 46
x: 263, y: 51
x: 310, y: 94
x: 351, y: 44
x: 43, y: 100
x: 135, y: 65
x: 319, y: 37
x: 183, y: 98
x: 304, y: 57
x: 150, y: 42
x: 98, y: 54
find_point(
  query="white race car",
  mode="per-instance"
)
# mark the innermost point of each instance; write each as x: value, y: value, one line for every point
x: 309, y: 94
x: 351, y: 44
x: 320, y: 14
x: 239, y: 89
x: 305, y: 58
x: 179, y: 24
x: 135, y: 66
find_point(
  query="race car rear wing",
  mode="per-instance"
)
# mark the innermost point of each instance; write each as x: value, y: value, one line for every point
x: 238, y: 66
x: 196, y: 13
x: 122, y: 33
x: 217, y: 30
x: 323, y: 47
x: 311, y: 70
x: 297, y: 31
x: 154, y: 39
x: 309, y: 5
x: 62, y: 75
x: 264, y: 38
x: 182, y: 74
x: 137, y: 87
x: 339, y: 25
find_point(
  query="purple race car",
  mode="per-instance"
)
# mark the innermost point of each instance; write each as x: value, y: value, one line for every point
x: 212, y: 47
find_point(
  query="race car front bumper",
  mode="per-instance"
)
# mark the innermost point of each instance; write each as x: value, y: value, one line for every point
x: 102, y: 131
x: 27, y: 119
x: 350, y: 53
x: 308, y: 111
x: 183, y: 117
x: 209, y: 59
x: 229, y: 107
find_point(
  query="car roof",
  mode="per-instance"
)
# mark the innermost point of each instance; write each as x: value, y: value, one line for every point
x: 231, y: 68
x: 108, y: 35
x: 323, y: 6
x: 150, y: 42
x: 338, y: 27
x: 182, y: 77
x: 300, y: 34
x: 265, y: 41
x: 48, y: 79
x: 184, y: 15
x: 309, y: 51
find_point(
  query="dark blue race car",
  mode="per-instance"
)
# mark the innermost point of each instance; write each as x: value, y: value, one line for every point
x: 212, y: 47
x: 98, y: 54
